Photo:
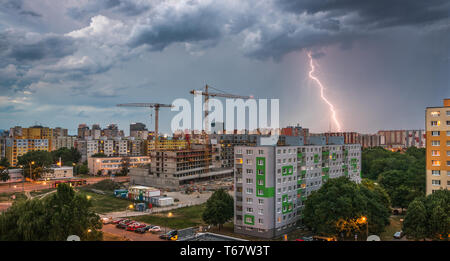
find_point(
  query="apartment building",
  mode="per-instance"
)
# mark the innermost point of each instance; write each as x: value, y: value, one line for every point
x: 63, y: 142
x: 437, y: 126
x: 166, y: 144
x: 14, y: 148
x: 112, y: 165
x: 402, y: 139
x: 273, y: 182
x: 109, y: 147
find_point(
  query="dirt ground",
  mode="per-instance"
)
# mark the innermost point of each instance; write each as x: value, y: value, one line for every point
x: 113, y: 234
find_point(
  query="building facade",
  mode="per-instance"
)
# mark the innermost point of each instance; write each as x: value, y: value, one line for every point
x: 437, y: 125
x: 113, y: 165
x: 273, y: 182
x: 18, y: 147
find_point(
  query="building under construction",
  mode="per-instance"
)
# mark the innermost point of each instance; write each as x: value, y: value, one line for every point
x: 172, y: 169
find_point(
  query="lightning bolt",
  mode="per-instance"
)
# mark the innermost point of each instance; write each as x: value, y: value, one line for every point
x: 319, y: 84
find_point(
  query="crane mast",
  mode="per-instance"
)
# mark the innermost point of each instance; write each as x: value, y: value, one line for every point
x: 156, y: 106
x: 205, y: 135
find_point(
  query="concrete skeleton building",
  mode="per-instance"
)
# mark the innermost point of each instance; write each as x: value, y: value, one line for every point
x: 437, y: 125
x: 273, y: 182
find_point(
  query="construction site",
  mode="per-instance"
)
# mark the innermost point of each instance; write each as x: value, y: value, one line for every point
x: 190, y: 163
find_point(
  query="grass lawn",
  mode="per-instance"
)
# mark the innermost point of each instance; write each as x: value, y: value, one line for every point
x: 105, y: 203
x: 182, y: 217
x: 6, y: 197
x: 393, y: 227
x: 40, y: 192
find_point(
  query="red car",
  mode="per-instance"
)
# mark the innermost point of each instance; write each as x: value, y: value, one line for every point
x: 118, y: 221
x: 124, y: 224
x: 134, y: 226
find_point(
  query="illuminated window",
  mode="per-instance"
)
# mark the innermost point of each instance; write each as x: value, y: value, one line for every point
x: 435, y: 153
x: 435, y: 123
x: 435, y: 113
x: 436, y: 162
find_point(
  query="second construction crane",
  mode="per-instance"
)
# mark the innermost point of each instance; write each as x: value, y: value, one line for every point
x: 150, y: 105
x: 208, y: 94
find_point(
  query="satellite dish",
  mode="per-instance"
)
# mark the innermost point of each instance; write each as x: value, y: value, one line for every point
x: 73, y: 238
x: 373, y: 238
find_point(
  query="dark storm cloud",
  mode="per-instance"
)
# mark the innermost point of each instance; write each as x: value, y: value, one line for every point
x: 17, y: 7
x: 126, y: 7
x: 201, y: 24
x: 379, y: 13
x: 17, y: 47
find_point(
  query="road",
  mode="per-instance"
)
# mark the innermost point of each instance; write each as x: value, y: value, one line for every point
x: 39, y: 185
x: 133, y: 236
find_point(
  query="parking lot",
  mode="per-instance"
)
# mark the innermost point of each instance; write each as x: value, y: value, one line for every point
x: 131, y: 235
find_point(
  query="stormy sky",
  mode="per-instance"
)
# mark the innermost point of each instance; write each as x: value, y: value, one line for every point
x: 67, y: 62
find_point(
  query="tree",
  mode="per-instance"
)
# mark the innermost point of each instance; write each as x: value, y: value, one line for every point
x: 68, y: 156
x: 83, y: 169
x: 125, y: 166
x: 55, y: 218
x: 429, y: 217
x: 98, y: 155
x: 416, y: 224
x: 4, y: 165
x: 338, y: 205
x: 35, y: 163
x: 219, y: 208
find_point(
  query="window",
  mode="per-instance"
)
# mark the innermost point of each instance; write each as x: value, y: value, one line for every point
x: 260, y: 152
x: 435, y: 113
x: 435, y: 182
x: 448, y: 113
x: 249, y: 191
x: 436, y: 163
x: 448, y: 153
x: 435, y: 133
x: 249, y: 200
x: 249, y: 181
x: 249, y: 210
x: 261, y: 211
x: 249, y: 152
x: 436, y: 172
x: 249, y: 171
x: 435, y: 153
x: 260, y: 201
x: 448, y: 143
x: 448, y: 162
x: 435, y: 123
x: 448, y: 123
x: 448, y: 133
x: 435, y: 143
x: 260, y: 221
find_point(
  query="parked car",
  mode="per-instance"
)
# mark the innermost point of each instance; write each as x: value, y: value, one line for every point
x: 135, y: 226
x: 155, y: 229
x: 106, y: 220
x: 171, y: 235
x: 117, y: 221
x: 142, y: 230
x: 124, y: 224
x: 398, y: 234
x: 307, y: 238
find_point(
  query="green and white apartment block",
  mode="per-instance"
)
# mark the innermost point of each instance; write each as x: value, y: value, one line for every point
x: 273, y: 182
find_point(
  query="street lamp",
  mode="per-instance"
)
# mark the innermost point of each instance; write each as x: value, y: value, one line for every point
x: 129, y: 207
x: 365, y: 220
x: 169, y: 215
